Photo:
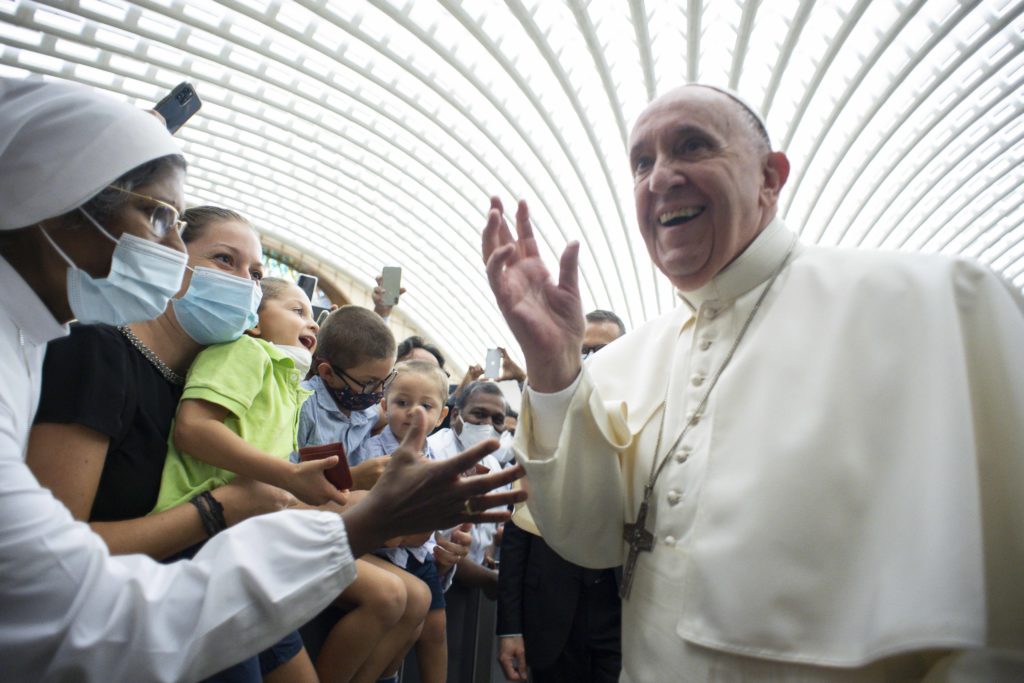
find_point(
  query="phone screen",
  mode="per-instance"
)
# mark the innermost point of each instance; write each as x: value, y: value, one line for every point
x: 391, y: 282
x: 492, y: 368
x: 179, y: 106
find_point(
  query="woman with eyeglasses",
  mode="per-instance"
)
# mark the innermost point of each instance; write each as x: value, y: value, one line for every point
x: 89, y: 231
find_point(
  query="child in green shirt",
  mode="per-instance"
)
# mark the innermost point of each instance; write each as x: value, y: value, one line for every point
x: 240, y: 408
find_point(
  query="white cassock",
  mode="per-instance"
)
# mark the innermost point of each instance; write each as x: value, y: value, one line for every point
x: 852, y: 494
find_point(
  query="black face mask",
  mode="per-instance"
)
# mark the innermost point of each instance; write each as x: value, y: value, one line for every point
x: 351, y: 400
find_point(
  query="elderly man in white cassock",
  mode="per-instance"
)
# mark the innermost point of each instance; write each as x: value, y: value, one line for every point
x: 812, y: 469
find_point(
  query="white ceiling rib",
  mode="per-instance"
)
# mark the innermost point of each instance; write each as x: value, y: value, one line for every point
x: 371, y: 132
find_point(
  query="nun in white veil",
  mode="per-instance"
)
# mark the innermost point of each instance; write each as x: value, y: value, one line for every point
x: 74, y: 246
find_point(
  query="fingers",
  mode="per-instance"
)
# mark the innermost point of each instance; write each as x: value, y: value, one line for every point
x: 482, y: 503
x: 568, y: 268
x: 469, y: 457
x: 336, y: 496
x: 412, y: 444
x: 323, y: 464
x: 496, y: 232
x: 524, y: 231
x: 483, y: 483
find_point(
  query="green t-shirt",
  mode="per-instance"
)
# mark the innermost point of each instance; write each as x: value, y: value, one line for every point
x: 259, y: 386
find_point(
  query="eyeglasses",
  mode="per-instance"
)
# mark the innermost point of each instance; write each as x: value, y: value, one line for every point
x: 369, y: 387
x: 163, y: 218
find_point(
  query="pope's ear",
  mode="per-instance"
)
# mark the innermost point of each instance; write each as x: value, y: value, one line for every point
x: 776, y: 172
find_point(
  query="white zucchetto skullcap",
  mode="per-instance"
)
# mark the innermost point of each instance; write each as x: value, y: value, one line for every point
x: 60, y: 144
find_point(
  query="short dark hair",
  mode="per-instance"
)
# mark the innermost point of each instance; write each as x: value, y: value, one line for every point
x: 351, y: 335
x: 602, y: 316
x: 478, y: 387
x: 104, y: 204
x: 416, y: 342
x: 199, y: 218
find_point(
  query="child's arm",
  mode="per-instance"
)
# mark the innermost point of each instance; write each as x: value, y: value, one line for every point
x: 199, y: 430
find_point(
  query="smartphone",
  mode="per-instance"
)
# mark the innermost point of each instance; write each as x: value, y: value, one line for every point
x: 307, y: 283
x: 391, y: 284
x: 179, y: 106
x: 492, y: 367
x: 320, y: 314
x: 339, y: 475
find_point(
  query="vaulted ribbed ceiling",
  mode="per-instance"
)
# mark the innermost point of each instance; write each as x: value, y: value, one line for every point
x: 368, y: 133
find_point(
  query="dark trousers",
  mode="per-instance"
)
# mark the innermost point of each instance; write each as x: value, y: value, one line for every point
x: 593, y: 653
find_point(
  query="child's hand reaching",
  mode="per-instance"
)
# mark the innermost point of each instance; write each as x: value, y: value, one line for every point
x: 307, y: 482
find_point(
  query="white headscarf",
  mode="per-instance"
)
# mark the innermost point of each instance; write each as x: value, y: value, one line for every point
x: 60, y: 144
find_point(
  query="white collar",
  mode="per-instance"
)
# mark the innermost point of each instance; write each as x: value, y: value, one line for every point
x: 751, y: 268
x: 26, y: 310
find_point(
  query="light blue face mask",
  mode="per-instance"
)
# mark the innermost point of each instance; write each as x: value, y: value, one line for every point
x: 218, y: 307
x: 143, y: 277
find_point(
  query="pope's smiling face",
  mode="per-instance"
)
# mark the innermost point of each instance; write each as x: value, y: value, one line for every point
x: 705, y: 183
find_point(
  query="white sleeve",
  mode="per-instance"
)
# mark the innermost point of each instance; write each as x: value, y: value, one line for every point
x: 71, y: 612
x: 548, y: 413
x: 569, y: 443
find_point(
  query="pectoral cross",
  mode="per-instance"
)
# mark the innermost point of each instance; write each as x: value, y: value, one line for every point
x: 639, y: 540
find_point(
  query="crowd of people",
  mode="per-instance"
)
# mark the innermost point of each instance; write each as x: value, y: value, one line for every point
x: 199, y: 481
x: 160, y: 522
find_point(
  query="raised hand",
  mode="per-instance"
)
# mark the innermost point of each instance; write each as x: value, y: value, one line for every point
x: 415, y: 494
x: 509, y: 369
x: 545, y: 316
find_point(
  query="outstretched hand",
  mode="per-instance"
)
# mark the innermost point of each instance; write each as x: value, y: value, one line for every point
x: 415, y: 495
x: 545, y: 316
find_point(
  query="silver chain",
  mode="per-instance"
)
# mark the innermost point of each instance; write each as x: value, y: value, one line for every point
x: 656, y: 465
x: 170, y: 375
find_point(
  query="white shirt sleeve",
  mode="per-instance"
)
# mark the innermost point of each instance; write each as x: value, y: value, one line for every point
x: 548, y: 412
x: 71, y: 611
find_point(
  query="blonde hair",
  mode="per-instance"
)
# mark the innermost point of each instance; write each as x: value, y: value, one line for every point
x: 427, y: 370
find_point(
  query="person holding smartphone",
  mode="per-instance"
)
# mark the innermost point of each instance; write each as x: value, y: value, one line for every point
x: 70, y: 609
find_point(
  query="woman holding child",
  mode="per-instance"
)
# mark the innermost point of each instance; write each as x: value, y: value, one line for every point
x: 82, y: 172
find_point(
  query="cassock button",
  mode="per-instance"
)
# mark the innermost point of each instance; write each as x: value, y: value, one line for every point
x: 705, y: 345
x: 697, y: 380
x: 682, y: 455
x: 674, y: 497
x: 710, y: 312
x: 670, y: 540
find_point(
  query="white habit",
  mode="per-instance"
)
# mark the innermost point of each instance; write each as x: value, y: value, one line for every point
x: 852, y: 493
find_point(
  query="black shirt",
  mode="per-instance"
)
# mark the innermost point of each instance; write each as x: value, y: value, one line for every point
x: 97, y: 379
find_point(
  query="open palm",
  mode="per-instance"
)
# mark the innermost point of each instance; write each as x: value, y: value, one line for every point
x: 545, y: 316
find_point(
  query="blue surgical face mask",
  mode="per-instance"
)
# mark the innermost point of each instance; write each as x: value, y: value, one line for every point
x: 218, y: 307
x: 143, y: 277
